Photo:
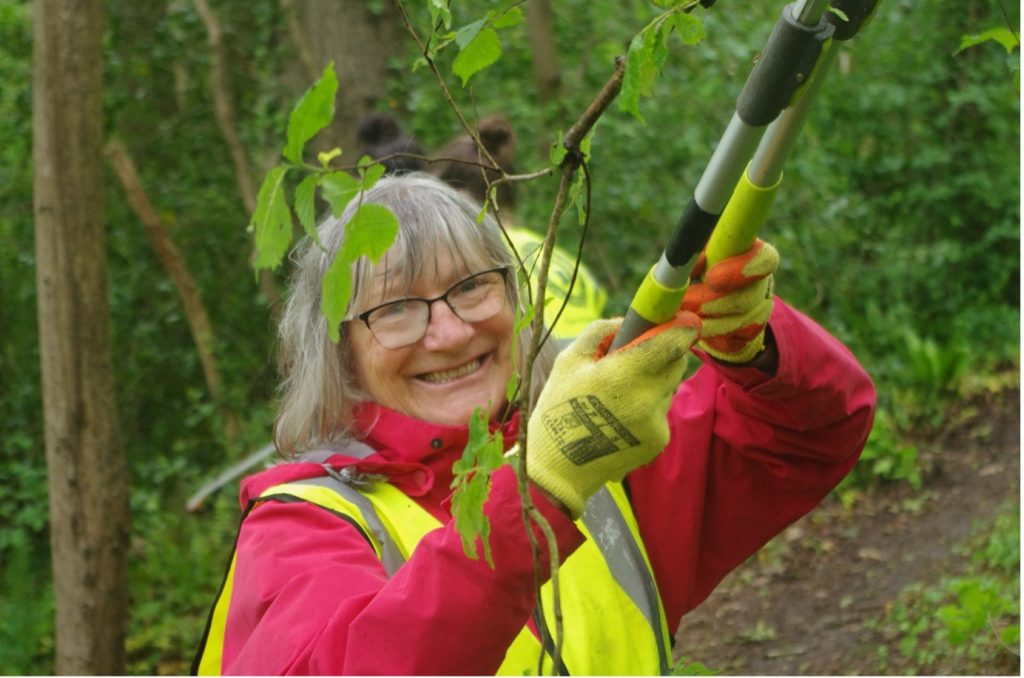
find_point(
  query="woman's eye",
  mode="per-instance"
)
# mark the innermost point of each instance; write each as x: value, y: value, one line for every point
x: 396, y: 309
x: 468, y: 285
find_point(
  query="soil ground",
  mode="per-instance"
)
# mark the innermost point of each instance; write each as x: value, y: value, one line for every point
x: 803, y: 604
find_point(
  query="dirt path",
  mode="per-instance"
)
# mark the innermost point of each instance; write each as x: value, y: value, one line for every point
x: 800, y: 606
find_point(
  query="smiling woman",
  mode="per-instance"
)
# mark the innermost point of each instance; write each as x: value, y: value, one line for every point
x: 439, y: 242
x: 348, y: 560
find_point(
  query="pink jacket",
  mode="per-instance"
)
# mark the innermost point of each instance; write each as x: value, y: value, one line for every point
x: 748, y: 454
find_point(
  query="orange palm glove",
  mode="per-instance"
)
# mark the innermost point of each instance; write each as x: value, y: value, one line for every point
x: 733, y: 298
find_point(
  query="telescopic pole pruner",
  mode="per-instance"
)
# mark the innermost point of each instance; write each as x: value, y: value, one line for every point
x: 754, y: 193
x: 785, y: 76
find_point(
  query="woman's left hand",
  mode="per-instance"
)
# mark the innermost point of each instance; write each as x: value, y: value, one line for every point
x: 734, y: 299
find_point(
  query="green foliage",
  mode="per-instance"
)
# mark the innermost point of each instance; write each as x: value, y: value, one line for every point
x: 478, y: 42
x: 886, y: 457
x: 166, y: 628
x: 900, y: 209
x: 312, y: 113
x: 1000, y: 34
x: 648, y: 52
x: 685, y: 667
x: 369, y: 232
x: 26, y: 606
x: 483, y: 455
x: 964, y: 624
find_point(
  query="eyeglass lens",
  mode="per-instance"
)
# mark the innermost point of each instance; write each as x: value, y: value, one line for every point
x: 405, y: 321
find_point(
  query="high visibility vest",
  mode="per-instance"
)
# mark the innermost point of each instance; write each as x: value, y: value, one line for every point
x: 586, y: 302
x: 613, y: 622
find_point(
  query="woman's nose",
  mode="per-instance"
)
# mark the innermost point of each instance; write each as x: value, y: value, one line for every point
x: 445, y: 330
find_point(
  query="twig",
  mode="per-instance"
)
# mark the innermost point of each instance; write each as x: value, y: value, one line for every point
x: 225, y: 115
x: 470, y: 130
x: 568, y: 168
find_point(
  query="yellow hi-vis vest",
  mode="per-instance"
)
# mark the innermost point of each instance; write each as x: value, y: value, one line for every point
x: 612, y: 619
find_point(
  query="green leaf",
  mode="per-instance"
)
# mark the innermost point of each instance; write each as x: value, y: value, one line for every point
x: 1010, y: 636
x: 468, y: 33
x: 639, y: 70
x: 689, y: 28
x: 305, y: 206
x: 577, y: 195
x: 272, y: 220
x: 558, y: 151
x: 472, y: 482
x: 512, y: 387
x: 512, y: 17
x: 314, y: 111
x: 439, y: 11
x: 478, y: 54
x: 369, y: 233
x: 370, y: 173
x: 325, y: 157
x: 1004, y: 36
x: 338, y: 188
x: 335, y: 290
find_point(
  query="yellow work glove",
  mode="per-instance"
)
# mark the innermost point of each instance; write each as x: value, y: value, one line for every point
x: 602, y: 415
x: 734, y: 301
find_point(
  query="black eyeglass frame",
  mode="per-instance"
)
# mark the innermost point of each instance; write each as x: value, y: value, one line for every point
x: 365, y: 315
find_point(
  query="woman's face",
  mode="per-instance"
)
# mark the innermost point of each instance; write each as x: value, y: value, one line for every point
x: 453, y: 369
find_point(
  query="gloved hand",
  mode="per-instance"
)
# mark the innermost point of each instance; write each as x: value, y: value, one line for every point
x: 600, y: 416
x: 734, y: 299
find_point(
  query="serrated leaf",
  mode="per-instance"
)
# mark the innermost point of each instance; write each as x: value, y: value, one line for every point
x: 512, y: 17
x: 371, y: 174
x: 338, y: 188
x: 477, y: 55
x: 558, y: 151
x: 335, y: 290
x: 305, y: 206
x: 468, y: 33
x: 312, y: 113
x: 638, y: 64
x: 1001, y: 35
x: 439, y: 11
x: 689, y: 28
x: 272, y: 220
x: 369, y: 233
x: 482, y: 455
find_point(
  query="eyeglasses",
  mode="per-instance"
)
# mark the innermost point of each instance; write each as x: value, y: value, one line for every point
x: 473, y: 299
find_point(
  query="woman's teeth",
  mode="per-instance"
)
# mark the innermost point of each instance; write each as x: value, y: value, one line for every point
x: 448, y: 375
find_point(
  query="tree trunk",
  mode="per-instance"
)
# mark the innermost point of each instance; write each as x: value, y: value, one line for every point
x: 88, y: 475
x: 361, y: 42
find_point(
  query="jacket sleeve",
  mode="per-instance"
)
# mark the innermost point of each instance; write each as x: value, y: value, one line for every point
x: 748, y: 455
x: 310, y: 596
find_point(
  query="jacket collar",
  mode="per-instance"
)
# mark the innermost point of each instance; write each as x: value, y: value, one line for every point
x: 416, y: 456
x: 401, y: 439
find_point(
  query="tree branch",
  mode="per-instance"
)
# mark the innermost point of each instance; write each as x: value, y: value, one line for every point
x: 170, y: 258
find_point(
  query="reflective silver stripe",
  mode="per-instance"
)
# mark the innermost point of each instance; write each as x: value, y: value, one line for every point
x: 608, y: 526
x: 391, y: 557
x: 351, y: 448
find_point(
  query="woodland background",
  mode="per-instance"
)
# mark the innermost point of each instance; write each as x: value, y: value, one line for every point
x: 898, y: 224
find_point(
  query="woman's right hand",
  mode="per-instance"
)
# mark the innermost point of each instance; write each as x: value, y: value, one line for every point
x: 600, y: 416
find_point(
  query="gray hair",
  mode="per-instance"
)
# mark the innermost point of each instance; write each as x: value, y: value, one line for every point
x: 319, y: 390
